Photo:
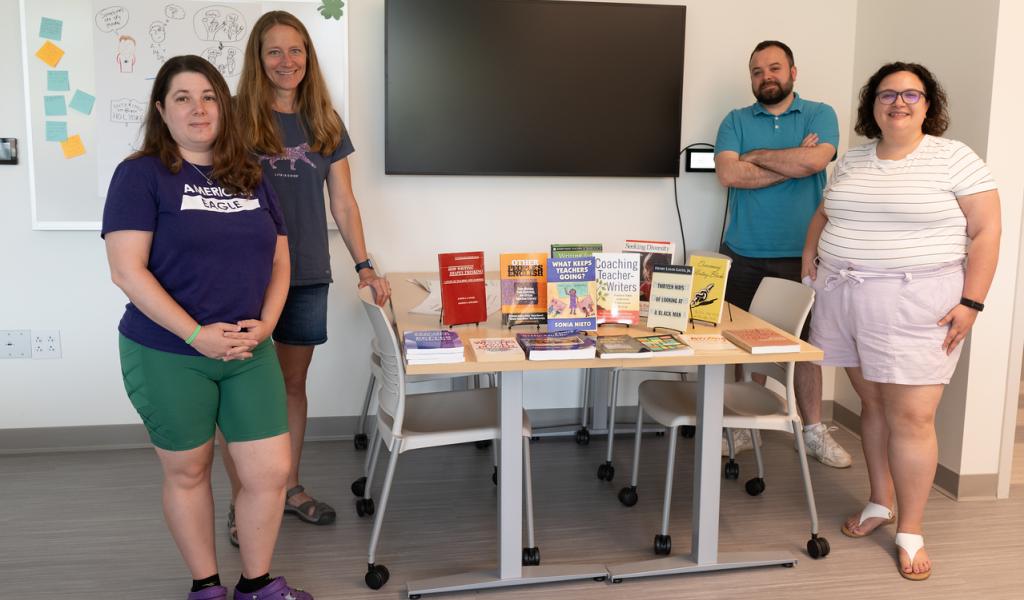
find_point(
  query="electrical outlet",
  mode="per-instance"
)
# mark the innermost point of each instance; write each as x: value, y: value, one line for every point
x: 14, y: 343
x: 45, y: 343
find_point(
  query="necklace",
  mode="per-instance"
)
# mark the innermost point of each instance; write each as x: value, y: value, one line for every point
x: 208, y: 181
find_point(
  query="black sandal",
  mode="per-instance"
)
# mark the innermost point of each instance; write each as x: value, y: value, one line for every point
x: 323, y: 514
x: 232, y: 528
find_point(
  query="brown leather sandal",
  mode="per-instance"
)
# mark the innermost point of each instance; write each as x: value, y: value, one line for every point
x: 323, y: 514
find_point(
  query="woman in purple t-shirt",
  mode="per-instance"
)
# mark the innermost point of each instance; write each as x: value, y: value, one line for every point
x: 285, y: 112
x: 196, y: 240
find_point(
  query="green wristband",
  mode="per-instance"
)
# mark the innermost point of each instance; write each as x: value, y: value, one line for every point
x: 194, y: 335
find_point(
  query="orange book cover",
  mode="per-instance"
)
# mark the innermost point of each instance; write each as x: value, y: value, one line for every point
x: 761, y: 340
x: 523, y: 288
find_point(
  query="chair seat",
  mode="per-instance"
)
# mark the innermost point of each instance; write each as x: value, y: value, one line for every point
x: 748, y: 405
x: 445, y: 418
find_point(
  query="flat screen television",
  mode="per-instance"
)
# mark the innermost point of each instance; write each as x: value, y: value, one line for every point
x: 533, y: 87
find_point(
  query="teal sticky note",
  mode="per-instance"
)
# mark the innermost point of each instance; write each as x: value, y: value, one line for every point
x: 54, y: 106
x: 51, y: 29
x: 82, y: 102
x: 57, y: 81
x: 56, y: 131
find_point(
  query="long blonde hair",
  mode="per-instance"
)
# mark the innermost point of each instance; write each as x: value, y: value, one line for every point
x: 255, y: 95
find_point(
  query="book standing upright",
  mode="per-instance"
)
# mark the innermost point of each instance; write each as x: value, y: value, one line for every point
x: 523, y: 289
x: 463, y: 291
x: 710, y: 274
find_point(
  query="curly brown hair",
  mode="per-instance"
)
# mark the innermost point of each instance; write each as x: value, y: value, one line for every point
x: 234, y: 167
x: 936, y: 120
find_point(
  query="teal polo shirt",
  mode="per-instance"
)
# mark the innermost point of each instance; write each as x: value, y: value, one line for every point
x: 772, y: 222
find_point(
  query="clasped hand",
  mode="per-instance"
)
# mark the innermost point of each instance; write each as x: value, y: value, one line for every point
x: 231, y: 341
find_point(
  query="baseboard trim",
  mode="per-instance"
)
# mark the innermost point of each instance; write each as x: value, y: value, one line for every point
x: 87, y: 438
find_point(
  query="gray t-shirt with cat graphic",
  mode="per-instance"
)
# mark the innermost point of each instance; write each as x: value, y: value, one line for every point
x: 298, y: 177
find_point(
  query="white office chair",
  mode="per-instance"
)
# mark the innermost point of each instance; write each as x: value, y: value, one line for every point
x: 426, y: 421
x: 748, y: 405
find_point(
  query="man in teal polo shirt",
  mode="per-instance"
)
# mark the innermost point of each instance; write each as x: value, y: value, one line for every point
x: 772, y: 156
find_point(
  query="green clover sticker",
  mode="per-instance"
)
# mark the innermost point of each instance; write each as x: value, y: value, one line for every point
x: 331, y: 9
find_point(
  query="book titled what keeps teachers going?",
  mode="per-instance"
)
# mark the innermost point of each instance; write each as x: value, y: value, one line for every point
x: 463, y: 290
x: 572, y: 294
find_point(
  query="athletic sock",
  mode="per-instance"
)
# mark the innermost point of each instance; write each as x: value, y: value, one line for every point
x: 248, y: 586
x: 211, y: 581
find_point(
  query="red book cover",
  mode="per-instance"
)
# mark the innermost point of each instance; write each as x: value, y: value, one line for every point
x: 463, y: 291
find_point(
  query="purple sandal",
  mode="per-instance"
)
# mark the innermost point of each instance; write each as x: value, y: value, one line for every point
x: 277, y: 589
x: 217, y: 592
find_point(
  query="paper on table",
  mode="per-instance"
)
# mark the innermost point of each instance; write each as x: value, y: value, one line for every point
x: 431, y: 305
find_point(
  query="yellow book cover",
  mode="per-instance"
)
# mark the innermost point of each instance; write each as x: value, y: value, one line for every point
x: 523, y: 288
x: 710, y: 274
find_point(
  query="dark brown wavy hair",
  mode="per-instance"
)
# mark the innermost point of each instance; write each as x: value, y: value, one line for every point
x: 234, y: 167
x: 256, y: 95
x: 936, y: 120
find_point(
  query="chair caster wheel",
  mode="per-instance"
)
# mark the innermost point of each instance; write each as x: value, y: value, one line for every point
x: 662, y: 544
x: 817, y: 547
x: 628, y: 496
x: 359, y: 487
x: 602, y: 578
x: 531, y: 557
x: 755, y: 486
x: 364, y: 508
x: 687, y: 431
x: 606, y: 472
x: 376, y: 576
x: 482, y: 444
x: 731, y: 470
x: 788, y: 565
x: 361, y: 441
x: 659, y: 434
x: 494, y: 476
x: 582, y: 436
x: 616, y: 580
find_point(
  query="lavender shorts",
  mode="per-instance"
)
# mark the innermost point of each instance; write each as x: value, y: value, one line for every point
x: 885, y: 322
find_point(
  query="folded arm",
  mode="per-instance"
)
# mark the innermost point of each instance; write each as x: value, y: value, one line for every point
x: 807, y: 159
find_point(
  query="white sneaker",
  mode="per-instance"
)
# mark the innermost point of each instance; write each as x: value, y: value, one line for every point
x: 820, y: 445
x: 741, y: 441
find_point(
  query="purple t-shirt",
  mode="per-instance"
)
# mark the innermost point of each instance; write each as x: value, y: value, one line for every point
x: 212, y: 251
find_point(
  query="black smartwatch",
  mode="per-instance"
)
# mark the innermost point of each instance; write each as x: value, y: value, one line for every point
x: 366, y: 264
x: 978, y: 306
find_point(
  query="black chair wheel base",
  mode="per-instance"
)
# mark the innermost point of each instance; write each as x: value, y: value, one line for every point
x: 659, y: 434
x: 606, y: 472
x: 494, y: 476
x: 817, y: 547
x: 755, y: 486
x: 582, y: 436
x: 687, y: 431
x: 376, y: 576
x: 628, y: 496
x: 361, y: 441
x: 601, y: 578
x: 731, y: 470
x: 364, y: 508
x: 531, y: 557
x: 359, y: 487
x: 483, y: 444
x: 662, y: 544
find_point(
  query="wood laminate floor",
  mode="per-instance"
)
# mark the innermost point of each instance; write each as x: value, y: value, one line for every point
x: 89, y: 526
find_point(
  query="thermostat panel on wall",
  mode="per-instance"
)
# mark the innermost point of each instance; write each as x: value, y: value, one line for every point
x: 700, y: 160
x: 8, y: 151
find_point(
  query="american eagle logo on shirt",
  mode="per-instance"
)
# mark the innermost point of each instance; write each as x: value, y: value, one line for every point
x: 215, y: 199
x: 291, y: 154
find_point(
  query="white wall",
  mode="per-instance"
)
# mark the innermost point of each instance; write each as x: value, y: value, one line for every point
x: 59, y: 280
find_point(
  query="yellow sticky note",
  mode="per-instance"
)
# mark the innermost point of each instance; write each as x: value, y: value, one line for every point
x: 73, y: 146
x: 50, y: 54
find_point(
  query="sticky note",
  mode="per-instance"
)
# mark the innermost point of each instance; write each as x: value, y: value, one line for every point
x: 56, y: 131
x: 57, y: 81
x: 82, y: 102
x: 73, y: 146
x: 50, y: 54
x: 54, y: 106
x: 50, y: 28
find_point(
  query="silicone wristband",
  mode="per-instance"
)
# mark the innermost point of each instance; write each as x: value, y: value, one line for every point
x: 194, y: 335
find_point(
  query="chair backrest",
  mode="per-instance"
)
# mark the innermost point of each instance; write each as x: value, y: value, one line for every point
x: 785, y: 304
x: 392, y: 386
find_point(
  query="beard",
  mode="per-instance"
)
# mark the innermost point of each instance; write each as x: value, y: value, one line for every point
x: 769, y: 95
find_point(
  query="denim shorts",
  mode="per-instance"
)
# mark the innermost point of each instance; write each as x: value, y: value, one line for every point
x: 886, y: 322
x: 303, y: 320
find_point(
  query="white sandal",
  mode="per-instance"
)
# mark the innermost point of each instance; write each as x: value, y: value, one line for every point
x: 871, y: 511
x: 911, y: 543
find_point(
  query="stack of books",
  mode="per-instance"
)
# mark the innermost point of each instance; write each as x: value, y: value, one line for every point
x: 649, y: 346
x: 433, y: 347
x: 559, y: 345
x: 761, y: 340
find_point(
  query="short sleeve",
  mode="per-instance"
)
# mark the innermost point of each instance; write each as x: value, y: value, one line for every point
x: 727, y: 140
x: 825, y: 123
x: 132, y: 202
x: 344, y: 148
x: 968, y: 174
x: 266, y: 191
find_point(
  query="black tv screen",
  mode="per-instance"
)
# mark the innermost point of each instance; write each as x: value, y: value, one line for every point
x: 533, y: 87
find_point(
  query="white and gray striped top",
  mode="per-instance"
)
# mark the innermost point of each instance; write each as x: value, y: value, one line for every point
x: 901, y: 214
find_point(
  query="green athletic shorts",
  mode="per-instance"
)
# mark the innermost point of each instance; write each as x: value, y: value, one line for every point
x: 181, y: 399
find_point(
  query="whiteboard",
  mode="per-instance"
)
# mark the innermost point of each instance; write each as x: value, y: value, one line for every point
x: 88, y: 69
